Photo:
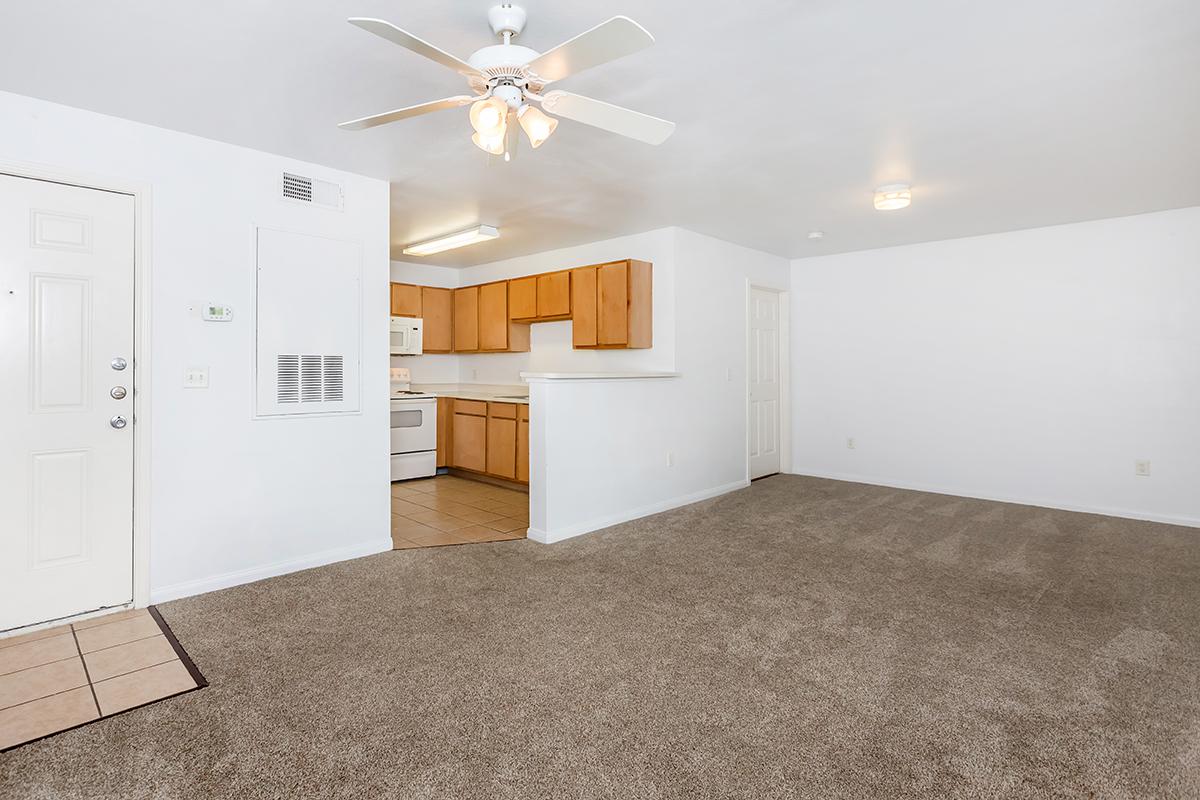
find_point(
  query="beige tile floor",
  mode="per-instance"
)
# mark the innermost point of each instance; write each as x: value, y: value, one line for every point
x: 431, y: 512
x: 58, y: 678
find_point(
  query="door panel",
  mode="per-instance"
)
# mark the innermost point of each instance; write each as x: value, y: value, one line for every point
x: 522, y: 298
x: 406, y: 300
x: 66, y: 473
x: 438, y: 320
x: 764, y: 383
x: 466, y: 319
x: 469, y: 442
x: 583, y: 307
x: 554, y: 294
x: 613, y: 304
x: 493, y: 316
x: 502, y: 447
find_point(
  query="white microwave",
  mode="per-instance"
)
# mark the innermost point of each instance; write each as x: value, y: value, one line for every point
x: 406, y: 336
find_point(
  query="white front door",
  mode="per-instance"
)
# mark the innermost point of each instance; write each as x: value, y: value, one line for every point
x: 764, y: 383
x: 66, y: 465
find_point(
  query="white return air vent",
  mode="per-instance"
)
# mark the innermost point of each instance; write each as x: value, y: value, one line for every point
x: 308, y: 325
x: 310, y: 191
x: 309, y: 379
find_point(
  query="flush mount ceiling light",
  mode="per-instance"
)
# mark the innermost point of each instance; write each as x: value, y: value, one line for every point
x: 893, y: 197
x: 509, y: 81
x: 480, y: 233
x: 816, y: 234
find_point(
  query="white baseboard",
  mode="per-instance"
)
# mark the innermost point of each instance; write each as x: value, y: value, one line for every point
x: 559, y: 534
x: 1040, y: 502
x: 162, y: 594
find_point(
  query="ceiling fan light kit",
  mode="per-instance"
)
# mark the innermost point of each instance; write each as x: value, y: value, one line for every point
x: 508, y: 81
x: 893, y: 197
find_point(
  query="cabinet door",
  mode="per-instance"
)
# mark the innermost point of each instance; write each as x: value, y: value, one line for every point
x: 523, y: 447
x: 502, y: 447
x: 445, y: 422
x: 493, y: 316
x: 436, y: 307
x: 468, y: 442
x: 522, y: 298
x: 612, y: 293
x: 406, y: 300
x: 554, y: 294
x: 466, y: 319
x: 583, y: 307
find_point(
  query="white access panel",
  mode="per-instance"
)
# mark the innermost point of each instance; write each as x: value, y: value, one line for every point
x: 308, y: 318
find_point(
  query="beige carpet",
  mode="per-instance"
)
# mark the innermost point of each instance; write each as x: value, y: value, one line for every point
x: 801, y: 638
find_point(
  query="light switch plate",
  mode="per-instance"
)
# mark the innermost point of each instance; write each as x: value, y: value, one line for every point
x: 195, y: 378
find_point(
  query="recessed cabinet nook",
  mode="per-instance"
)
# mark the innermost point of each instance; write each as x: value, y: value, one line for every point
x: 609, y: 306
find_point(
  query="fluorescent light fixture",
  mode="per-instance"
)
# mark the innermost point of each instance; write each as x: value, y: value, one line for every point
x: 893, y: 197
x: 480, y: 233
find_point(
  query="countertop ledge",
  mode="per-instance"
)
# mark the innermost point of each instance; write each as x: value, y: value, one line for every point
x: 494, y: 393
x: 595, y: 376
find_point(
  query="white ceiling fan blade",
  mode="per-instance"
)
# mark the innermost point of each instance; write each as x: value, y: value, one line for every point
x: 405, y: 113
x: 403, y: 38
x: 616, y: 119
x: 608, y: 41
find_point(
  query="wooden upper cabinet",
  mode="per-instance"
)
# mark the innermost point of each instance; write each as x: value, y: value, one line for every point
x: 583, y: 307
x: 406, y: 300
x: 523, y: 298
x: 437, y: 311
x: 554, y: 295
x: 466, y: 319
x: 493, y: 316
x: 612, y: 304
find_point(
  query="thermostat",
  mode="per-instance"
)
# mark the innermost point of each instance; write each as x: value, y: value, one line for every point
x: 214, y: 313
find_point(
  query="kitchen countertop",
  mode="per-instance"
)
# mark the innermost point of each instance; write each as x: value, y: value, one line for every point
x: 495, y: 393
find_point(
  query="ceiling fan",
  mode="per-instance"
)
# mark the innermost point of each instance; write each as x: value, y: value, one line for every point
x: 509, y: 82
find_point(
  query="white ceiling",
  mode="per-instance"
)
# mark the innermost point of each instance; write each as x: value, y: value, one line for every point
x: 1003, y: 115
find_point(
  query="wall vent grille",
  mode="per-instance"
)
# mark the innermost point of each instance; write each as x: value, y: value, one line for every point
x: 310, y: 191
x: 309, y: 378
x: 297, y: 187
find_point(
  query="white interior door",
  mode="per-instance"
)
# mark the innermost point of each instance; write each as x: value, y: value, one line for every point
x: 764, y: 383
x: 66, y: 408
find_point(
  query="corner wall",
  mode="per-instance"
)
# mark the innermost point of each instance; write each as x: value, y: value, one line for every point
x: 277, y: 495
x: 1032, y: 367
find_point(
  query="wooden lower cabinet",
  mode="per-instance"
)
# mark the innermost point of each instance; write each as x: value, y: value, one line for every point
x: 468, y: 436
x: 523, y: 444
x: 502, y: 440
x: 491, y: 438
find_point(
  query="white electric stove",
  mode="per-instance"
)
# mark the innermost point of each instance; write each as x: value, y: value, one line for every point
x: 413, y: 429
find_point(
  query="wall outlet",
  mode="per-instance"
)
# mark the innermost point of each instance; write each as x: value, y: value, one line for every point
x: 850, y: 443
x: 195, y: 378
x: 670, y: 459
x: 1141, y: 469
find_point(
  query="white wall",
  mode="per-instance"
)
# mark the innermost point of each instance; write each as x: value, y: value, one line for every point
x: 604, y: 446
x: 1033, y: 366
x: 277, y: 494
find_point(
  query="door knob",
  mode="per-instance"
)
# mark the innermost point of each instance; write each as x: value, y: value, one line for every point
x: 118, y: 393
x: 119, y: 364
x: 118, y: 422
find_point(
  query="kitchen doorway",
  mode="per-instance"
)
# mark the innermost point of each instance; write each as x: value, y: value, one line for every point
x: 69, y: 258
